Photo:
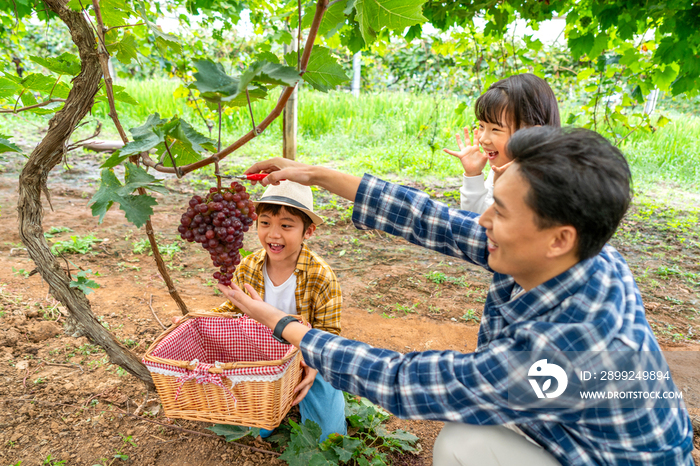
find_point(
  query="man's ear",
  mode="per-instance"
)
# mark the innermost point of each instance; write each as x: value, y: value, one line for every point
x: 310, y: 231
x: 564, y: 241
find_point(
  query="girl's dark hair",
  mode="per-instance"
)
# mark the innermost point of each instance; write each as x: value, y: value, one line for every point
x: 274, y: 210
x: 526, y: 99
x: 576, y: 178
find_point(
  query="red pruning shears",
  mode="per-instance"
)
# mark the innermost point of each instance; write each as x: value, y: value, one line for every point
x: 252, y: 177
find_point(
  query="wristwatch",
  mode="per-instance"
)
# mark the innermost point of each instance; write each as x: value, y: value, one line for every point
x: 279, y: 328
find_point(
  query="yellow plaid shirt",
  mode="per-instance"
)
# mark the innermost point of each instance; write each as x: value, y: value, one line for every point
x: 317, y: 292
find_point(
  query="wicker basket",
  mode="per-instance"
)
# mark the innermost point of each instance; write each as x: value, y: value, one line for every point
x: 233, y: 372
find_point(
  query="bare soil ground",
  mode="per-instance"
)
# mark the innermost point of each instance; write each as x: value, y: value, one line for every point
x: 61, y: 397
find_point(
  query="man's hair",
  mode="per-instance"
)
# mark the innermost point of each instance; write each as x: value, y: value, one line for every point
x: 274, y: 210
x: 526, y: 99
x: 576, y: 178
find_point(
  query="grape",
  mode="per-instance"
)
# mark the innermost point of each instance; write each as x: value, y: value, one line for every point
x: 217, y: 221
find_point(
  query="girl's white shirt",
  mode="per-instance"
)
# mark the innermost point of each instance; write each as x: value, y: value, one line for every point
x: 476, y: 194
x: 281, y: 297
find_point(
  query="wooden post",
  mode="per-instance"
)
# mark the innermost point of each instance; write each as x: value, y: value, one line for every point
x: 289, y: 118
x: 356, y: 73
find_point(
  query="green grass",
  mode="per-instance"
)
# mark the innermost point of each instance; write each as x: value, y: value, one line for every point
x: 394, y: 135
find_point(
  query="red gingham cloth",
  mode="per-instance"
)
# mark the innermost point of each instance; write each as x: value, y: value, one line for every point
x: 219, y: 339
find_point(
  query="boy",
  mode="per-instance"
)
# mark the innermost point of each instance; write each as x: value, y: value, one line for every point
x: 292, y: 278
x: 558, y: 290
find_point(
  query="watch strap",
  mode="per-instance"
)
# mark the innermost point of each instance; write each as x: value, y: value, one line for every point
x: 281, y: 325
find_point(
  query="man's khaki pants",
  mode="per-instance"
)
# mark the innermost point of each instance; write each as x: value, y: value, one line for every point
x: 471, y: 445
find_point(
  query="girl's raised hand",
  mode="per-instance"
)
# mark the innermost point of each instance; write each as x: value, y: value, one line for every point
x: 472, y: 159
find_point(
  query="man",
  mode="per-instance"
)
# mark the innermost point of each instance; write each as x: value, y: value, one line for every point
x: 556, y: 288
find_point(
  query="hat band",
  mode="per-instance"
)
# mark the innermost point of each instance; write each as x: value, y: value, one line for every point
x: 288, y: 200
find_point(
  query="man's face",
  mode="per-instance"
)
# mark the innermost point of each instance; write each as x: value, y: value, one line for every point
x: 517, y: 247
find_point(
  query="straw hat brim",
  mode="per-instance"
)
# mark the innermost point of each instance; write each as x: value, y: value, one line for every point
x: 285, y: 201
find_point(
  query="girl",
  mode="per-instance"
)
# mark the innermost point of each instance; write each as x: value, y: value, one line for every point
x: 508, y: 105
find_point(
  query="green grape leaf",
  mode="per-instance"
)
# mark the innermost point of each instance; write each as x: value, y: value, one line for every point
x: 120, y: 95
x: 347, y: 448
x: 137, y: 208
x: 333, y: 18
x: 114, y: 12
x: 664, y: 76
x: 83, y: 283
x: 7, y: 146
x: 38, y: 82
x: 662, y: 121
x: 581, y: 45
x: 61, y: 90
x: 323, y: 71
x: 145, y: 138
x: 212, y: 82
x: 303, y: 448
x: 66, y: 63
x: 184, y: 143
x: 267, y: 56
x: 125, y: 50
x: 163, y: 40
x: 375, y: 15
x: 8, y: 87
x: 268, y: 73
x: 232, y: 433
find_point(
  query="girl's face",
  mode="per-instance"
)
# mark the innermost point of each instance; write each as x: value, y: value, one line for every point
x: 493, y: 139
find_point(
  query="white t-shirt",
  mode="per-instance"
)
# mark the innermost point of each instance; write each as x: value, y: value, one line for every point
x: 281, y: 297
x: 476, y: 195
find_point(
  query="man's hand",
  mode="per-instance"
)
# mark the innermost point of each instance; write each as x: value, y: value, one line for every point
x: 303, y: 388
x: 283, y: 169
x: 254, y: 307
x: 278, y: 169
x: 472, y: 159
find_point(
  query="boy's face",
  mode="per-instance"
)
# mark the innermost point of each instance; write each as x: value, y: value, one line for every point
x: 494, y: 139
x: 282, y: 235
x: 516, y: 245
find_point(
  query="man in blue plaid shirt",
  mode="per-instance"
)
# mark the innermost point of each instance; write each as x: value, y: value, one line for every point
x: 556, y: 287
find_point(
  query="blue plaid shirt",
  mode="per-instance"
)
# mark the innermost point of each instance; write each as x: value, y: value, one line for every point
x: 594, y: 306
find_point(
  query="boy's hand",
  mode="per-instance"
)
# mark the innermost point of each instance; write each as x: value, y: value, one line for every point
x: 305, y: 384
x: 472, y: 159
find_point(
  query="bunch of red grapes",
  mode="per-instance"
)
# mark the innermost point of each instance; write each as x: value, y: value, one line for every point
x: 218, y: 222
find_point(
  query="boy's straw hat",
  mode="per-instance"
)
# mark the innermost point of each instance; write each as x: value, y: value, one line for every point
x: 291, y: 194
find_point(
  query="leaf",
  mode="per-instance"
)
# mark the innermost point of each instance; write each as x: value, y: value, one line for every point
x: 269, y: 73
x: 375, y: 15
x: 234, y: 432
x: 7, y: 146
x: 323, y: 71
x: 137, y: 208
x: 66, y: 63
x: 125, y: 50
x: 212, y: 82
x: 162, y: 39
x: 8, y: 87
x: 333, y: 18
x: 184, y: 143
x: 662, y: 121
x: 546, y: 385
x: 114, y: 12
x: 664, y: 76
x: 581, y: 45
x: 303, y: 448
x: 145, y: 138
x: 348, y: 448
x: 38, y: 82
